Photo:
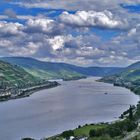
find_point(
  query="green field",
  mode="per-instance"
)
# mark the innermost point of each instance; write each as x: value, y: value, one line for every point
x: 81, y: 131
x: 84, y: 131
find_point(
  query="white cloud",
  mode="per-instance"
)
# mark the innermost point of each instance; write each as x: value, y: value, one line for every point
x: 90, y: 52
x: 5, y: 43
x: 103, y: 19
x: 43, y: 25
x: 134, y: 30
x: 57, y: 42
x: 75, y: 4
x: 10, y: 29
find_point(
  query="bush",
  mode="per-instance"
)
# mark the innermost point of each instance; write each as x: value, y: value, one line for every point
x: 92, y: 133
x: 79, y: 126
x: 97, y: 132
x: 119, y: 128
x: 67, y: 134
x: 27, y: 139
x: 116, y: 129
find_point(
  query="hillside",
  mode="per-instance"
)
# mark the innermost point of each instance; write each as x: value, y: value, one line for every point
x: 130, y: 73
x: 45, y: 70
x: 100, y: 71
x: 134, y: 66
x: 13, y: 74
x: 49, y: 70
x: 129, y: 78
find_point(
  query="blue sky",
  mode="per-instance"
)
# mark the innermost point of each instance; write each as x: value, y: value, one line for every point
x: 131, y: 8
x: 87, y: 33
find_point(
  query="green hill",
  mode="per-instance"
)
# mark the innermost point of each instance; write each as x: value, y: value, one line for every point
x: 134, y: 66
x: 129, y: 74
x: 45, y: 70
x: 13, y: 74
x: 130, y: 78
x: 49, y: 70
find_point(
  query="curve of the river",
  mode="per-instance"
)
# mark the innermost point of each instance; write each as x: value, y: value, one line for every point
x: 51, y: 111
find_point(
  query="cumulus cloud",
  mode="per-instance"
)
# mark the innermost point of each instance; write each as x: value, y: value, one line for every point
x: 103, y: 19
x: 43, y: 25
x: 64, y: 43
x: 57, y: 42
x: 134, y: 30
x: 5, y: 43
x: 81, y: 49
x: 10, y: 29
x: 74, y: 4
x: 57, y: 39
x: 30, y: 49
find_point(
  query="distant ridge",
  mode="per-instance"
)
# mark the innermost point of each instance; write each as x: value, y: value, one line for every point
x: 51, y: 70
x: 45, y: 70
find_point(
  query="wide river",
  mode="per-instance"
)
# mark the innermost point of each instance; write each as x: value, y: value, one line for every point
x: 51, y: 111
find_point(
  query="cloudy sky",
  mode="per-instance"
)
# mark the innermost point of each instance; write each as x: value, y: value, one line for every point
x: 80, y: 32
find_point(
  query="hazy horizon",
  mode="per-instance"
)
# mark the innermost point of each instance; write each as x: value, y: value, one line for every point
x: 65, y: 62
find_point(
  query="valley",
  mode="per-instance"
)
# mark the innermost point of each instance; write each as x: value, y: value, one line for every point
x: 21, y: 76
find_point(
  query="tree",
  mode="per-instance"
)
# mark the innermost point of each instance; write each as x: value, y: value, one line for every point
x: 27, y: 139
x: 131, y: 113
x: 67, y: 134
x: 92, y: 133
x: 79, y: 126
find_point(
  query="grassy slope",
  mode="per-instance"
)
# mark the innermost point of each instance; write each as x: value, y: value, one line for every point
x: 83, y: 131
x: 129, y: 74
x: 48, y: 74
x: 14, y: 74
x: 50, y: 70
x: 126, y: 76
x: 45, y: 70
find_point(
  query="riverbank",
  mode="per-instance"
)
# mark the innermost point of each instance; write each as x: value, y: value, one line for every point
x: 117, y: 130
x: 114, y: 127
x: 26, y: 92
x: 51, y: 111
x: 127, y: 128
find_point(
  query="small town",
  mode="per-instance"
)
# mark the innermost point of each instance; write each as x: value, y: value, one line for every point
x: 15, y: 92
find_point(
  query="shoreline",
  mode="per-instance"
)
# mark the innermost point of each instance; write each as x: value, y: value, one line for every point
x: 91, y: 125
x: 31, y: 91
x: 40, y: 87
x: 88, y: 122
x: 119, y: 119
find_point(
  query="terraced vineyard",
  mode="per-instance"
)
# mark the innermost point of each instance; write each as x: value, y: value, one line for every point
x: 13, y: 74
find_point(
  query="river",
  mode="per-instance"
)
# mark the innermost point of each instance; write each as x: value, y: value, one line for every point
x: 51, y: 111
